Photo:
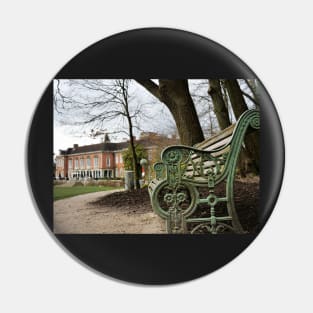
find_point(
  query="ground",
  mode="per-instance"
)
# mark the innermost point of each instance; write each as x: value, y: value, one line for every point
x: 121, y: 212
x: 80, y: 215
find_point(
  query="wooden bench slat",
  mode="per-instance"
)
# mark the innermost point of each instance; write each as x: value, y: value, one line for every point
x: 227, y: 132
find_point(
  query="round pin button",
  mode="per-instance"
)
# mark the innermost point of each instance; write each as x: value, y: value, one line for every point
x: 155, y: 156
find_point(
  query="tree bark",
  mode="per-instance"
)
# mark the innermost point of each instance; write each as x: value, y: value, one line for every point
x: 176, y: 96
x: 134, y: 155
x: 124, y: 88
x: 253, y: 84
x: 236, y: 98
x: 220, y: 108
x: 239, y: 106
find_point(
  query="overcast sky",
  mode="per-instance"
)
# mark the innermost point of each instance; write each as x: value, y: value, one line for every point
x: 65, y: 135
x: 159, y: 120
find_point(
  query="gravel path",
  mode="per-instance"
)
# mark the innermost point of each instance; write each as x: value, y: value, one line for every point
x: 76, y: 215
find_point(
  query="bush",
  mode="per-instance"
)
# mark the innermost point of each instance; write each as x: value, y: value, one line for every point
x: 92, y: 183
x: 78, y: 184
x: 58, y: 182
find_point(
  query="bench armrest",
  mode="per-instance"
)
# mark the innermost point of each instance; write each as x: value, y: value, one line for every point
x: 184, y: 162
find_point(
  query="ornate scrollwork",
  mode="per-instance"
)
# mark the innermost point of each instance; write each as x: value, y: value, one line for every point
x: 190, y: 163
x: 175, y: 203
x: 200, y: 170
x: 255, y: 121
x: 176, y: 197
x: 214, y: 229
x: 172, y: 156
x: 159, y: 169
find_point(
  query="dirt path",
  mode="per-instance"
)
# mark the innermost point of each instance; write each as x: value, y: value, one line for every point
x: 77, y: 216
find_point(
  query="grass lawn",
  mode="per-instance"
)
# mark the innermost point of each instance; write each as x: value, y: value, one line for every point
x: 60, y: 192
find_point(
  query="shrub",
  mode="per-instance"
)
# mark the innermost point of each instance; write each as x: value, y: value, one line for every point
x: 57, y: 182
x: 91, y: 183
x: 78, y: 184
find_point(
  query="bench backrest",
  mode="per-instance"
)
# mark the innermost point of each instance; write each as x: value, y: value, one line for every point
x: 217, y: 140
x: 210, y: 159
x: 218, y: 145
x: 214, y: 142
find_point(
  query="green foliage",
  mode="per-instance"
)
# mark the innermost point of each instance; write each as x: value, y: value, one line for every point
x: 128, y: 158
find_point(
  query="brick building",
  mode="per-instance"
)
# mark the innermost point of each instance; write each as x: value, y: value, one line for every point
x: 104, y: 160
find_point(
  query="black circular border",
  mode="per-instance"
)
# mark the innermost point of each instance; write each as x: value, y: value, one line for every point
x: 154, y: 53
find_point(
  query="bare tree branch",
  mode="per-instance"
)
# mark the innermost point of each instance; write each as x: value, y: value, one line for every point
x: 250, y: 98
x: 150, y: 86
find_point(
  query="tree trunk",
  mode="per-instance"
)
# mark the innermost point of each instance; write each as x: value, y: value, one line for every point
x: 134, y: 155
x: 211, y: 121
x: 236, y: 98
x: 239, y: 106
x: 176, y: 96
x: 220, y: 108
x: 253, y: 84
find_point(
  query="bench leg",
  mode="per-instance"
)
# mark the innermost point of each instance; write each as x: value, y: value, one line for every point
x: 231, y: 208
x: 235, y: 220
x: 175, y: 222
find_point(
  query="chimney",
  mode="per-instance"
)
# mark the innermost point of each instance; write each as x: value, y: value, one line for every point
x: 106, y: 138
x: 75, y: 145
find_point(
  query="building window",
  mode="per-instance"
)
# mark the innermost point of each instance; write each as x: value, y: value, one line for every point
x: 108, y: 160
x: 60, y: 162
x: 76, y: 163
x: 70, y: 163
x: 116, y: 158
x: 82, y: 165
x: 88, y: 162
x: 96, y: 162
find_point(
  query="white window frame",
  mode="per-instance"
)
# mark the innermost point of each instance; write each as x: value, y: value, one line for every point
x: 88, y: 161
x: 96, y: 164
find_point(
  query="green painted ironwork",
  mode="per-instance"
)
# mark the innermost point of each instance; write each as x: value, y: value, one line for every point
x: 159, y: 169
x: 175, y: 196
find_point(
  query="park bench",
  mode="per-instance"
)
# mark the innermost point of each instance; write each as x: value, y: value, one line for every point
x: 184, y: 171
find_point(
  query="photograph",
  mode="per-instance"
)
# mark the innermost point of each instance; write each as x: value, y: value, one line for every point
x: 156, y: 156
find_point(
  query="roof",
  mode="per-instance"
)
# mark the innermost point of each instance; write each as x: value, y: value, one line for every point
x: 103, y: 146
x: 146, y: 141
